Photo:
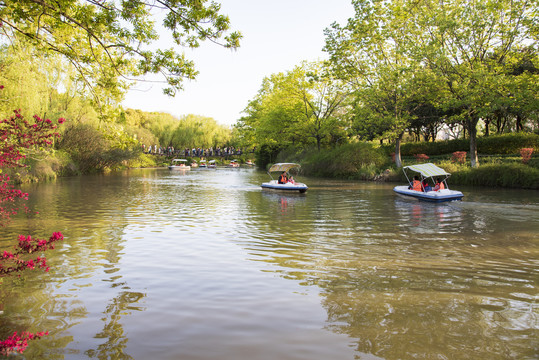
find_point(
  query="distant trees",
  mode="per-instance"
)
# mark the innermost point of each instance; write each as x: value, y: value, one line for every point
x: 185, y: 132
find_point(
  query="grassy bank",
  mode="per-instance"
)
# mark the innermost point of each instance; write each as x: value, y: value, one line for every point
x: 363, y: 161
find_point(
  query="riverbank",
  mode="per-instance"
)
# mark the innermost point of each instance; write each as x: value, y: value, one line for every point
x: 366, y: 162
x: 359, y: 161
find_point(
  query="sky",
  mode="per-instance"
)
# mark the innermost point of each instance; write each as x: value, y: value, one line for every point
x: 277, y: 36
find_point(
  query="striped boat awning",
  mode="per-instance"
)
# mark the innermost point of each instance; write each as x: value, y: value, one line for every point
x: 283, y: 167
x: 427, y: 170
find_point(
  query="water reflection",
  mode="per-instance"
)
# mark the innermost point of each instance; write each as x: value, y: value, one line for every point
x: 162, y: 264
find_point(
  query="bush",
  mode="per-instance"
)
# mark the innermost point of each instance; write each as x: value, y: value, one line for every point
x: 526, y: 154
x: 91, y: 151
x: 351, y: 161
x: 504, y: 175
x: 486, y: 145
x: 459, y: 157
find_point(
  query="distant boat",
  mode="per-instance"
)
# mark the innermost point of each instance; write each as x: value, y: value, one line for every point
x: 426, y: 172
x: 179, y: 164
x: 212, y: 164
x: 289, y: 186
x: 202, y: 164
x: 234, y: 164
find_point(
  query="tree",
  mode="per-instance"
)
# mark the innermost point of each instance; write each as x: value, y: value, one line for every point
x: 466, y: 43
x: 371, y: 54
x: 109, y: 43
x: 301, y: 107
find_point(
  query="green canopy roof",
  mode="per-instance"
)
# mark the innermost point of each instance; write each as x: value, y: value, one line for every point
x: 428, y: 170
x: 283, y: 167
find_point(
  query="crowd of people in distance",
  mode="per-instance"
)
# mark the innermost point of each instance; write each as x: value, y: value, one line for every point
x: 198, y: 152
x: 425, y: 186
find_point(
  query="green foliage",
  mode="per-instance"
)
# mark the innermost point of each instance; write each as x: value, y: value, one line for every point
x: 508, y: 143
x: 142, y: 161
x: 498, y: 175
x: 266, y: 154
x: 91, y: 151
x: 301, y: 107
x: 487, y: 145
x: 153, y: 128
x: 351, y: 161
x: 108, y: 41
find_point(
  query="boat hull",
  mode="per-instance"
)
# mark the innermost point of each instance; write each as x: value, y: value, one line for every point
x: 288, y: 187
x: 432, y: 196
x: 183, y: 168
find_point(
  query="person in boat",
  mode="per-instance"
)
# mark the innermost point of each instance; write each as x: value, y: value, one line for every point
x: 426, y: 186
x: 439, y: 185
x: 283, y: 179
x: 416, y: 184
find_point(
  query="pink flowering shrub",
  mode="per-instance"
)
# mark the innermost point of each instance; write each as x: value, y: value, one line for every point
x: 16, y: 343
x: 11, y: 262
x: 421, y: 157
x: 459, y: 157
x: 17, y: 138
x: 526, y: 154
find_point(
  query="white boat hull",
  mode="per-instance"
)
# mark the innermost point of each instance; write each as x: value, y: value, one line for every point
x: 433, y: 196
x: 288, y: 187
x: 176, y: 167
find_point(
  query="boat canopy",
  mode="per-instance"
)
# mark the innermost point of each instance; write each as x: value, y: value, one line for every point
x: 174, y: 160
x: 283, y: 167
x: 428, y: 170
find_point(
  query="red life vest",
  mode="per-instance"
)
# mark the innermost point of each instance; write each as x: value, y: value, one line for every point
x: 416, y: 185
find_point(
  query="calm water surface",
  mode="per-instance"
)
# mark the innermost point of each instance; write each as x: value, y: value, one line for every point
x: 206, y: 265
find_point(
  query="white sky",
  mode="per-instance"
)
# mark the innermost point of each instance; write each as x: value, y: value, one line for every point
x: 277, y: 36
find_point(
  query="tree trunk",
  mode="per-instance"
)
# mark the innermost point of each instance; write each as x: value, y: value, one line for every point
x: 487, y: 125
x: 519, y: 123
x: 398, y: 160
x: 472, y: 130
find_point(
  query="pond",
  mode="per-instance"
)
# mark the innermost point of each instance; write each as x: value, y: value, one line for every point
x: 207, y: 265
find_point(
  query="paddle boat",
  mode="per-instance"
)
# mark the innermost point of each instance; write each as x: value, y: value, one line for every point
x: 426, y: 172
x: 202, y: 163
x: 212, y: 164
x: 234, y: 164
x: 179, y: 164
x: 249, y: 163
x: 289, y: 186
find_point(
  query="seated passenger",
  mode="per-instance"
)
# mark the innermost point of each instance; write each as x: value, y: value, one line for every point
x: 416, y: 184
x: 439, y: 185
x: 426, y: 186
x: 283, y: 179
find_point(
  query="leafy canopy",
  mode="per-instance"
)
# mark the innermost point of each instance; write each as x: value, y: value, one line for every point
x: 110, y: 42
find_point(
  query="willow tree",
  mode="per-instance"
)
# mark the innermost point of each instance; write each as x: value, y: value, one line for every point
x: 112, y: 42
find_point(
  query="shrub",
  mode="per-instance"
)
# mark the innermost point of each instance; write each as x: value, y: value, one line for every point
x: 526, y: 154
x: 459, y: 157
x: 486, y: 145
x: 505, y: 175
x: 421, y: 157
x: 352, y: 161
x: 91, y: 151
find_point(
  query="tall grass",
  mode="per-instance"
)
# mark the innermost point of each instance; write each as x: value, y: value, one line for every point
x: 361, y: 161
